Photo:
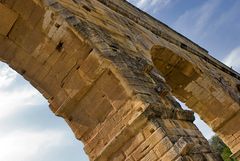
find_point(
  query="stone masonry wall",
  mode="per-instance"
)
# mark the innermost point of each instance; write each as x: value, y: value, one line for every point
x: 111, y: 71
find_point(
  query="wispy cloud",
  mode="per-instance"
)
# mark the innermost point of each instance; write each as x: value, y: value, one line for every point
x: 152, y: 6
x: 233, y: 59
x: 229, y: 16
x: 195, y: 21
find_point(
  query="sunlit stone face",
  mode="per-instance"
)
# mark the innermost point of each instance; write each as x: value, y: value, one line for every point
x: 88, y: 59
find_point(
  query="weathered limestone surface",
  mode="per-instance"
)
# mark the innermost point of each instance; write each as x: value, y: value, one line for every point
x: 111, y: 71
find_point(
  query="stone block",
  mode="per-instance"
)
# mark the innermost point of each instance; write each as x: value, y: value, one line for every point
x: 24, y: 36
x: 180, y: 148
x: 44, y: 50
x: 75, y: 85
x: 8, y: 18
x: 78, y: 129
x: 129, y: 159
x: 20, y: 60
x: 7, y: 49
x: 148, y: 144
x: 112, y: 89
x: 133, y: 144
x: 150, y: 156
x: 149, y: 129
x: 117, y: 157
x: 8, y: 3
x: 24, y: 8
x: 191, y: 101
x: 92, y: 67
x: 163, y: 146
x: 36, y: 17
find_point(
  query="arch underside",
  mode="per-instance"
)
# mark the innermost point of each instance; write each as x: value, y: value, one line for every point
x: 94, y: 66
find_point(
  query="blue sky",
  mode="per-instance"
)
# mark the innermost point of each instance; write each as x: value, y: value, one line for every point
x: 29, y: 130
x: 213, y: 24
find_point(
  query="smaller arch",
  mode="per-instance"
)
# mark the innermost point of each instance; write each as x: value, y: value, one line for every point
x: 193, y: 85
x: 177, y: 71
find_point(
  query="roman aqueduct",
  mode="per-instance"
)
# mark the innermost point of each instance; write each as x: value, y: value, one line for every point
x: 113, y: 73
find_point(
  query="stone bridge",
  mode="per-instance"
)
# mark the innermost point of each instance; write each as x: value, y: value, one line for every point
x: 113, y: 73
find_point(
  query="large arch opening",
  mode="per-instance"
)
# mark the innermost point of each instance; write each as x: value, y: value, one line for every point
x: 39, y: 45
x: 79, y: 84
x: 29, y: 130
x: 193, y: 84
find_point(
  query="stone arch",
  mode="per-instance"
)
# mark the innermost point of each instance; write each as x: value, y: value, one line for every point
x: 83, y: 62
x: 59, y: 55
x: 206, y: 90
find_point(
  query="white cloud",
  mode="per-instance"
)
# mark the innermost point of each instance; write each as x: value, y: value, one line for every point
x: 233, y: 59
x: 18, y: 98
x: 7, y: 76
x: 150, y: 5
x: 21, y: 144
x: 27, y: 145
x: 54, y: 141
